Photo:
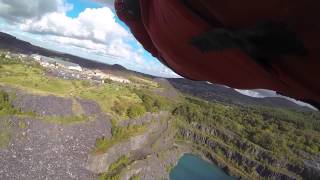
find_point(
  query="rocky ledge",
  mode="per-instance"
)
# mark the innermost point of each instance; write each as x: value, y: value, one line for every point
x: 250, y: 157
x: 40, y: 149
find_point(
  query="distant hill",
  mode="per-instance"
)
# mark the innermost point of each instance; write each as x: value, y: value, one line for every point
x: 203, y: 90
x: 214, y: 92
x: 13, y: 44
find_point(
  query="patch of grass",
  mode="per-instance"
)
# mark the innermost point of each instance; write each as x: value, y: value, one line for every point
x: 32, y: 78
x: 136, y: 110
x: 5, y: 136
x: 77, y: 108
x: 135, y: 177
x: 120, y: 108
x: 5, y: 133
x: 112, y: 98
x: 102, y: 144
x: 108, y: 81
x: 108, y: 177
x: 6, y: 107
x: 153, y: 102
x: 115, y: 168
x: 22, y: 124
x: 169, y: 167
x: 4, y: 60
x: 119, y: 135
x: 121, y: 162
x: 144, y: 82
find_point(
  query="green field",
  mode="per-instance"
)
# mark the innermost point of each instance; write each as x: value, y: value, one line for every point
x: 31, y: 78
x: 118, y: 100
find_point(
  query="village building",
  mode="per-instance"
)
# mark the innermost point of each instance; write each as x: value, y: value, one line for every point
x: 36, y: 57
x: 75, y: 68
x: 8, y: 56
x: 103, y: 75
x: 68, y: 70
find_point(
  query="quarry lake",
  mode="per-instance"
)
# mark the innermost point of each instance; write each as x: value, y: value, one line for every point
x: 191, y: 167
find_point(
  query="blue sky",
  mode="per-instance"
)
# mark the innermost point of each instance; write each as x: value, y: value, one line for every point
x: 80, y: 27
x: 81, y: 5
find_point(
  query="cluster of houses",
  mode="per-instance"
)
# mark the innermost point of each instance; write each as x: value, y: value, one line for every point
x: 49, y: 62
x: 68, y: 70
x: 10, y: 55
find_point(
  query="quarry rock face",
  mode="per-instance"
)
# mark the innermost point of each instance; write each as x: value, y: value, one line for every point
x: 44, y: 105
x: 308, y: 170
x: 45, y: 150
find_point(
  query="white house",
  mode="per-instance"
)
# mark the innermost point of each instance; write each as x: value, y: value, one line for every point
x: 76, y: 68
x: 119, y: 79
x: 44, y: 64
x: 103, y: 75
x: 36, y: 57
x: 22, y: 56
x: 100, y: 74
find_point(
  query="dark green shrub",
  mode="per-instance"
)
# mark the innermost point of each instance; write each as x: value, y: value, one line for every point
x: 136, y: 110
x: 119, y: 108
x: 108, y: 81
x: 6, y: 107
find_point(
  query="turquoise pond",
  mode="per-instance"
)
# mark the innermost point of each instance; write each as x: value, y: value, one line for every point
x: 191, y: 167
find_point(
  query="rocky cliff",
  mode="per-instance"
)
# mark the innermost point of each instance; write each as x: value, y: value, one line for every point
x: 222, y: 147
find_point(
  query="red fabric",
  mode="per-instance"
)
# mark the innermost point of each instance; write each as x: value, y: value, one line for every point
x: 167, y: 26
x: 137, y: 28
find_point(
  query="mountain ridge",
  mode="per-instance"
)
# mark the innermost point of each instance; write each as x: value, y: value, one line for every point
x: 211, y: 92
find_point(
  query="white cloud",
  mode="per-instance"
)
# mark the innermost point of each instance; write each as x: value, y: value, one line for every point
x: 108, y: 3
x: 19, y: 10
x: 94, y: 29
x: 93, y: 34
x: 262, y: 93
x: 97, y: 25
x: 252, y: 93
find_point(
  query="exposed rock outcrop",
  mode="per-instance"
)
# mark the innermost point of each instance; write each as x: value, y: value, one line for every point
x: 44, y: 105
x: 156, y: 165
x: 312, y: 169
x: 89, y: 107
x: 136, y: 147
x: 250, y: 156
x: 227, y: 152
x: 147, y: 118
x: 40, y: 149
x: 43, y: 150
x: 99, y: 163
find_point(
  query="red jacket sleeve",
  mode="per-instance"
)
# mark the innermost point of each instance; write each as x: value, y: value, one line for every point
x: 137, y: 28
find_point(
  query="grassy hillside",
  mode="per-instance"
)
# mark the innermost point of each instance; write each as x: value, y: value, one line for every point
x: 119, y: 100
x: 263, y: 135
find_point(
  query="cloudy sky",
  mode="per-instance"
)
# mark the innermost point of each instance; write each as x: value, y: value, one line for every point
x: 87, y: 28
